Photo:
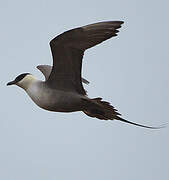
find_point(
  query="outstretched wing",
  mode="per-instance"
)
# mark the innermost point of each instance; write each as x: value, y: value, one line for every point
x: 68, y: 49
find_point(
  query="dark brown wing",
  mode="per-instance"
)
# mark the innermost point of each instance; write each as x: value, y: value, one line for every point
x: 68, y: 49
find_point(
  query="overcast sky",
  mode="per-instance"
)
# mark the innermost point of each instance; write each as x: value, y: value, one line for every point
x: 131, y: 71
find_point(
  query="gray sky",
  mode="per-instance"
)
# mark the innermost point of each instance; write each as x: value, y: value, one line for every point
x: 130, y: 71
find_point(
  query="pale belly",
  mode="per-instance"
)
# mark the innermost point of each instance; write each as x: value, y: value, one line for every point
x: 56, y: 100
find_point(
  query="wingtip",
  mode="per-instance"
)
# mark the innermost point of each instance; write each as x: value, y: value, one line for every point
x: 42, y: 65
x: 38, y: 67
x: 119, y: 22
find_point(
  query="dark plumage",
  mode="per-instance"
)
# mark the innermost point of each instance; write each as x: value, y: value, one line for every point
x: 20, y: 77
x: 68, y: 49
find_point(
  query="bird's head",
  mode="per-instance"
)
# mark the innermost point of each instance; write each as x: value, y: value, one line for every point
x: 23, y: 80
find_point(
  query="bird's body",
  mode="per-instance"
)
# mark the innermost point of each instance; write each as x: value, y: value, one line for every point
x: 53, y: 99
x: 62, y: 90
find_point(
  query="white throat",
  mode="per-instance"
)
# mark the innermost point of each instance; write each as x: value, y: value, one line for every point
x: 27, y: 81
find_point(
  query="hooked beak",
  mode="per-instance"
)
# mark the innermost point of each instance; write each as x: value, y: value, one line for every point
x: 10, y: 83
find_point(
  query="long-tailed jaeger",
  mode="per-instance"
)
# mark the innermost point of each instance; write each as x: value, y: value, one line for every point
x: 62, y: 90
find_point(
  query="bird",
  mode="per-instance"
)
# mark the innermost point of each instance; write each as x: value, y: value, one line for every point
x: 62, y: 90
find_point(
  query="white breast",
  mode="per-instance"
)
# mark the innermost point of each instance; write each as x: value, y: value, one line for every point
x: 52, y: 99
x: 40, y: 94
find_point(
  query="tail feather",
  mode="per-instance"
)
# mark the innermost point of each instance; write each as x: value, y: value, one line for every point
x: 104, y: 111
x: 150, y: 127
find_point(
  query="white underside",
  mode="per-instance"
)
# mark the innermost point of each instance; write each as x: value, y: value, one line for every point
x: 54, y: 100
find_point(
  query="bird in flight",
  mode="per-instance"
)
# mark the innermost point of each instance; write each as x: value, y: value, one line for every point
x: 62, y: 90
